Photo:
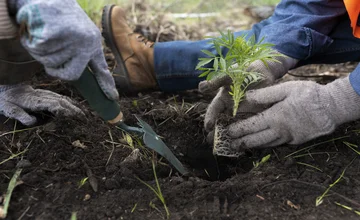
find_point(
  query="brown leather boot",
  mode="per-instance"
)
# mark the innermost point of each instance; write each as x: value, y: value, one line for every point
x: 134, y: 54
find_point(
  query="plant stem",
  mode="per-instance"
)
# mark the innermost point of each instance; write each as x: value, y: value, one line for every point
x: 159, y: 191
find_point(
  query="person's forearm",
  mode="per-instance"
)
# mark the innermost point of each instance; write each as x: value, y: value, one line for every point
x: 299, y: 29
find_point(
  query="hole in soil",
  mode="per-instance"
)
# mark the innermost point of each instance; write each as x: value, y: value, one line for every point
x: 213, y: 168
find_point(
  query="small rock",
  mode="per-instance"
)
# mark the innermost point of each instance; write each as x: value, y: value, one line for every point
x: 87, y: 197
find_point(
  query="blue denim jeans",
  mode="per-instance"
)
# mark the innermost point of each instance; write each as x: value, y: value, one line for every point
x: 312, y: 31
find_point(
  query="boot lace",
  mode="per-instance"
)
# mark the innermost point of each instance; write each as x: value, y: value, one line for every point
x: 144, y: 40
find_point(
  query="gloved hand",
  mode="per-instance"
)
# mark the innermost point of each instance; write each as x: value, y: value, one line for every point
x: 223, y: 102
x: 297, y: 111
x: 64, y: 39
x: 14, y: 100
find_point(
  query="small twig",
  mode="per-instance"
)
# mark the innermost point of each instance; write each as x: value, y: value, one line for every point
x: 164, y: 121
x: 24, y: 213
x: 112, y: 150
x: 311, y: 166
x: 13, y: 156
x: 13, y: 135
x: 18, y: 131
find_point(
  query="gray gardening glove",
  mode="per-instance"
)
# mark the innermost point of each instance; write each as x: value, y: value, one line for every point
x: 223, y: 102
x: 14, y: 100
x: 298, y: 111
x: 63, y: 38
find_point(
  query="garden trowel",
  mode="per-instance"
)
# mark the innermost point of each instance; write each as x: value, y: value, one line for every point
x: 109, y: 110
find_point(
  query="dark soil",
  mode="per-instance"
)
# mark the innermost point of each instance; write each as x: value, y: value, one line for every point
x: 218, y: 188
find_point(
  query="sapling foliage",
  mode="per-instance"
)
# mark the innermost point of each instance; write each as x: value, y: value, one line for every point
x: 235, y: 63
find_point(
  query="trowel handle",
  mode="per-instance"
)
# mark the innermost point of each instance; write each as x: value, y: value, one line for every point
x: 87, y: 85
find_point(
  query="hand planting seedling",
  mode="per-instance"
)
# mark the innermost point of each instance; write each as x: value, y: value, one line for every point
x: 235, y: 64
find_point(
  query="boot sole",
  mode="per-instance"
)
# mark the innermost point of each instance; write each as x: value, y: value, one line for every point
x: 120, y: 73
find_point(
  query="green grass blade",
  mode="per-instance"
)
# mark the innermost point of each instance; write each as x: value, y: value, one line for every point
x: 10, y: 189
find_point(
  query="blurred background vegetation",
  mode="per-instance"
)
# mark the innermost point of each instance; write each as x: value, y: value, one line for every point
x: 93, y: 7
x: 169, y: 20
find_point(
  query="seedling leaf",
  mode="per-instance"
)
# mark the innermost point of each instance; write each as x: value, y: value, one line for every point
x: 203, y: 62
x: 208, y: 53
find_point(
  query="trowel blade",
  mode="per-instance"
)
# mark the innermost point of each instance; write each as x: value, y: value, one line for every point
x: 153, y: 141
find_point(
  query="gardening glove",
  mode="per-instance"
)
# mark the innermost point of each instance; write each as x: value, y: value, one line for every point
x: 62, y: 37
x: 15, y: 99
x: 297, y: 112
x: 223, y: 102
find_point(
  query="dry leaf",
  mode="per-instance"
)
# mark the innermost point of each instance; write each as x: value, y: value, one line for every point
x: 93, y: 183
x: 79, y: 144
x: 133, y: 157
x: 292, y: 205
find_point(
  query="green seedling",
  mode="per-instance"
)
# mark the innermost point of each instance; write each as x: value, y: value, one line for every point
x: 134, y: 208
x: 352, y: 147
x: 348, y: 208
x: 82, y: 182
x: 311, y: 166
x: 12, y: 184
x: 134, y: 142
x: 73, y: 216
x: 262, y: 161
x: 135, y: 103
x: 311, y: 154
x: 157, y: 191
x: 19, y: 131
x: 13, y: 156
x: 242, y: 52
x: 129, y: 141
x: 320, y: 199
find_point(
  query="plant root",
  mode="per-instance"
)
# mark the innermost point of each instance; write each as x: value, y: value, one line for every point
x: 222, y: 146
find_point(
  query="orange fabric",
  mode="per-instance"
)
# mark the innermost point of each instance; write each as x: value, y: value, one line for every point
x: 353, y: 9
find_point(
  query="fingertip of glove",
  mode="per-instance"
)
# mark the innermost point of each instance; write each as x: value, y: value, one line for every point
x: 28, y: 121
x: 203, y: 87
x: 112, y: 94
x: 210, y: 137
x: 209, y: 125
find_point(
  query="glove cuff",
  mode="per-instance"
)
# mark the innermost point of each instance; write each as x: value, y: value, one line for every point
x: 341, y: 101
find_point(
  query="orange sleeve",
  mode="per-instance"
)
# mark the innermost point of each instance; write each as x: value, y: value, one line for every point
x: 353, y: 9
